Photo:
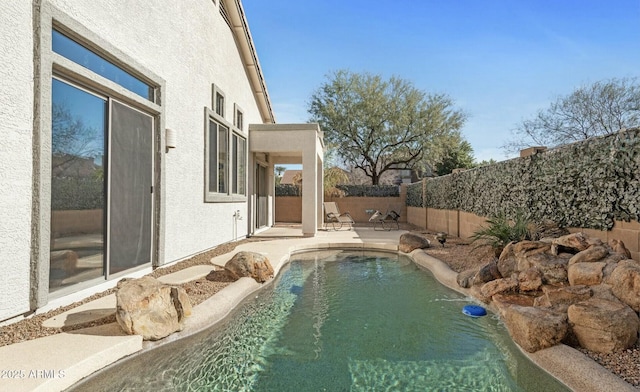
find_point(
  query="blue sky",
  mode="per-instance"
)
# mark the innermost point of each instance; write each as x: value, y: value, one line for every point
x: 500, y: 61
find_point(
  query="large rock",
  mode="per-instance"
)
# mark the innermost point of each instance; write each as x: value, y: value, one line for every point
x: 625, y: 283
x: 553, y: 270
x: 487, y: 273
x: 411, y: 241
x: 507, y: 263
x: 151, y: 308
x: 506, y: 299
x: 604, y: 326
x: 589, y: 274
x: 609, y: 268
x: 563, y: 297
x: 604, y: 291
x: 503, y: 285
x: 530, y: 280
x: 571, y: 243
x: 250, y: 264
x: 466, y: 278
x: 617, y: 247
x: 519, y: 256
x: 534, y: 328
x: 589, y: 255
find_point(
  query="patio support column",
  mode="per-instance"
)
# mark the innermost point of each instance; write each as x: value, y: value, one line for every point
x: 295, y: 143
x: 309, y: 193
x: 320, y: 188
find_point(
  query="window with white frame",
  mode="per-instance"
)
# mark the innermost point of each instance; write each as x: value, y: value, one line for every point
x: 226, y: 160
x: 238, y: 116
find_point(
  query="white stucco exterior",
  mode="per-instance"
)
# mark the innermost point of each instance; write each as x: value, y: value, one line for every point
x: 183, y: 48
x: 16, y: 126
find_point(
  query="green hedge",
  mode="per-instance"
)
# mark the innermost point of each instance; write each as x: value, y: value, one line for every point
x: 414, y: 195
x: 349, y: 190
x: 587, y: 184
x: 288, y: 190
x: 370, y: 190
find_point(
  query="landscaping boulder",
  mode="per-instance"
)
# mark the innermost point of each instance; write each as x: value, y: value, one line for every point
x: 499, y: 286
x: 520, y: 256
x: 562, y: 297
x: 603, y: 326
x: 466, y: 278
x: 604, y: 291
x: 529, y: 279
x: 487, y: 273
x: 507, y: 263
x: 411, y: 241
x: 625, y: 283
x: 250, y: 264
x: 589, y: 255
x: 534, y: 328
x: 553, y: 270
x: 617, y: 247
x: 502, y: 300
x: 150, y: 308
x: 571, y: 243
x: 608, y: 269
x: 585, y: 273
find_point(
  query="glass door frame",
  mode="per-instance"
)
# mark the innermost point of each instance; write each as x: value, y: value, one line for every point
x: 107, y: 273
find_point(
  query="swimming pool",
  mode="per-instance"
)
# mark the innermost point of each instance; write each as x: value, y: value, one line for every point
x: 339, y: 321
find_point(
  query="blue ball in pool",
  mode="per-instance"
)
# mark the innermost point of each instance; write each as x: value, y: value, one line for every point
x: 474, y: 311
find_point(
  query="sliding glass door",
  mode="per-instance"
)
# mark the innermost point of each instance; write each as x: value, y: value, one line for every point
x: 101, y: 186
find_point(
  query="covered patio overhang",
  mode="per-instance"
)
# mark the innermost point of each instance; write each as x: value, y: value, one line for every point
x: 294, y: 144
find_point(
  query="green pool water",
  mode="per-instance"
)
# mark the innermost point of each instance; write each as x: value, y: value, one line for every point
x: 339, y: 321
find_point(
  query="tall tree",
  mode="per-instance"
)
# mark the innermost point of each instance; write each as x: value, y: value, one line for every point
x: 380, y: 125
x: 456, y: 156
x: 597, y: 109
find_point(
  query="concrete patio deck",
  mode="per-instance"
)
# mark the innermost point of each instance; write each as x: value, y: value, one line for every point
x: 56, y: 362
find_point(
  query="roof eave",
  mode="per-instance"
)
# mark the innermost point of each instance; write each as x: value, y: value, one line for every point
x: 240, y: 28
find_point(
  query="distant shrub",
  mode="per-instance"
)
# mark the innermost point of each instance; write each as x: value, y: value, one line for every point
x: 288, y: 190
x: 499, y: 231
x: 370, y: 190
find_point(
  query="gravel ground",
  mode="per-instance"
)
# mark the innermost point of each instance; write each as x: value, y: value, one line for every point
x: 457, y: 253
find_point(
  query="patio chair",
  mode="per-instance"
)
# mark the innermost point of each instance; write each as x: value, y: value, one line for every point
x: 335, y: 218
x: 385, y: 220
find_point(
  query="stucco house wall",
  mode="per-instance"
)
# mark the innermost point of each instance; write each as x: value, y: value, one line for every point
x: 16, y: 125
x: 185, y: 47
